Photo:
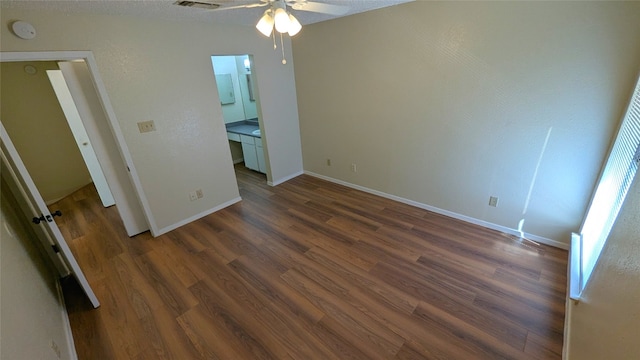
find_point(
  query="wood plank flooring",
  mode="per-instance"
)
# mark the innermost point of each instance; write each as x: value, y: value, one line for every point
x: 311, y: 270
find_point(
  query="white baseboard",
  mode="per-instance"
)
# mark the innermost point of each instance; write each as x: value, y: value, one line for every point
x: 238, y: 161
x: 197, y: 216
x: 284, y: 179
x: 71, y: 345
x: 448, y: 213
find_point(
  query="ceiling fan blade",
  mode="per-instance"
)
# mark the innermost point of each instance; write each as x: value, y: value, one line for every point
x: 320, y: 8
x: 247, y: 6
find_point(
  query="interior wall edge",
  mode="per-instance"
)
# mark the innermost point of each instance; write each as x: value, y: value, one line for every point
x: 285, y: 179
x: 174, y: 226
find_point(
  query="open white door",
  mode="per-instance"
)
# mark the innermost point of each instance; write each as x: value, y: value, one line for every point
x: 80, y: 135
x: 43, y: 221
x: 81, y: 88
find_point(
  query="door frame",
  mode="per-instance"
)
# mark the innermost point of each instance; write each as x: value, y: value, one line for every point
x: 256, y: 95
x: 87, y: 56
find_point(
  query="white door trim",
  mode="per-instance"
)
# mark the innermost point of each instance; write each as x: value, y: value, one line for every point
x: 101, y: 90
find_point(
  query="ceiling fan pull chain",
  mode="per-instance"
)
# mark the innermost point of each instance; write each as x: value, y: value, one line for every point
x: 273, y: 35
x: 284, y: 61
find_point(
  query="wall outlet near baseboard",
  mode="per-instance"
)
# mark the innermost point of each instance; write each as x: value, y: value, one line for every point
x: 354, y: 168
x: 146, y: 126
x: 328, y: 162
x: 195, y: 195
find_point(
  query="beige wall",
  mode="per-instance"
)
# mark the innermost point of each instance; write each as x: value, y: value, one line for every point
x: 606, y: 323
x: 448, y: 103
x: 39, y: 130
x: 160, y: 70
x: 31, y: 311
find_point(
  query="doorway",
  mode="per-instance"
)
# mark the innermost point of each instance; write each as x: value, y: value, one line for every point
x: 236, y: 83
x: 43, y: 151
x: 38, y: 117
x: 104, y: 133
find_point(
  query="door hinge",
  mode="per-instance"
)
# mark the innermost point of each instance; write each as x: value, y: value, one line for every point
x: 55, y: 248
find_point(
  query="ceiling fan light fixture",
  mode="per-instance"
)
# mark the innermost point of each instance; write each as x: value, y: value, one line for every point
x: 282, y: 20
x: 294, y: 25
x: 265, y: 25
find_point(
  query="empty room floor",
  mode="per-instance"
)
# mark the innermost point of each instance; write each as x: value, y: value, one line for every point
x: 311, y: 270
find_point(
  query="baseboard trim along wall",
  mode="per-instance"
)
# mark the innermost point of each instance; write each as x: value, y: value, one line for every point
x: 284, y: 179
x: 451, y: 214
x: 197, y: 216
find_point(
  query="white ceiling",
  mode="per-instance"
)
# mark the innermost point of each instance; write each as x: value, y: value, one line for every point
x: 165, y: 9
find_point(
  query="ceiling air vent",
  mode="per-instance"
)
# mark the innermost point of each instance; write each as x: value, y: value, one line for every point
x: 197, y: 4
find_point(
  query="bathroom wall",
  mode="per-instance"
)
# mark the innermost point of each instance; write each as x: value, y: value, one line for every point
x: 250, y: 106
x: 243, y: 108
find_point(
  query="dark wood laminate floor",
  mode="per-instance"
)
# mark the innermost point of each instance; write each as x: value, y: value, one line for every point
x: 311, y: 270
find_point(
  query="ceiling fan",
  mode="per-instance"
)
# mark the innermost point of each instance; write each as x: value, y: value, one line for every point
x: 277, y: 16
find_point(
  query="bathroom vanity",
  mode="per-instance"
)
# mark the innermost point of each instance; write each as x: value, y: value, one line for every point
x: 247, y: 133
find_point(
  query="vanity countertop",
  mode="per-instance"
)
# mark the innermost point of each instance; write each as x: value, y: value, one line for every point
x: 244, y: 127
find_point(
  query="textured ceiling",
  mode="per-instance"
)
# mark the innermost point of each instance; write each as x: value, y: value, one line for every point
x: 165, y: 9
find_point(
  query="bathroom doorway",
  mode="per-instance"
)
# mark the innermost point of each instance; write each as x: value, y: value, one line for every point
x: 235, y: 80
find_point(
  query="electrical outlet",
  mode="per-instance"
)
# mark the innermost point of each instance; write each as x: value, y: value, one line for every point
x: 328, y: 162
x: 493, y: 201
x: 199, y: 194
x: 354, y: 168
x: 146, y: 126
x: 193, y: 196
